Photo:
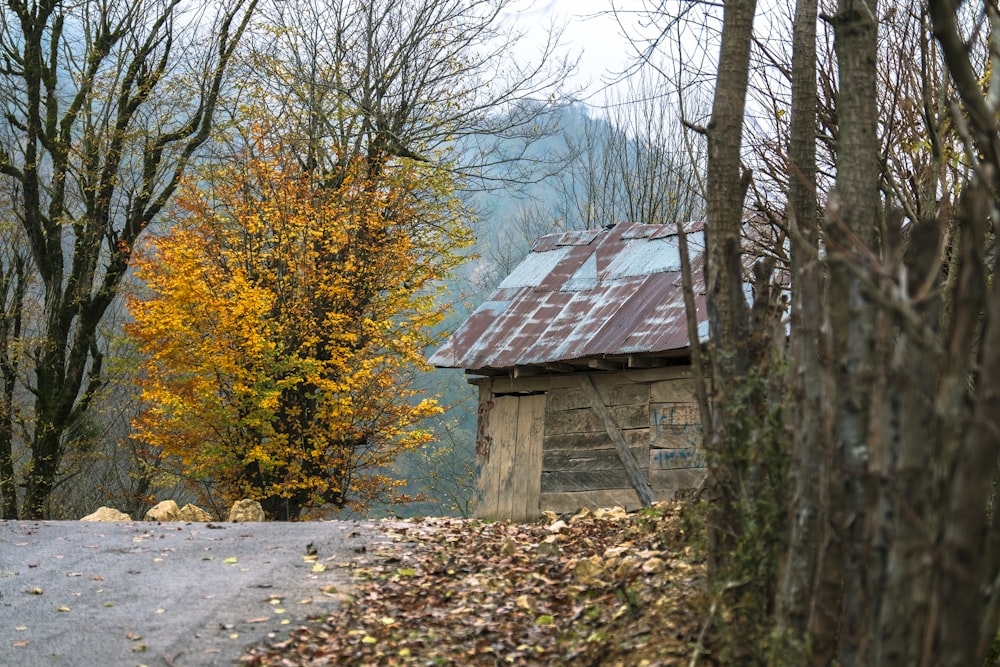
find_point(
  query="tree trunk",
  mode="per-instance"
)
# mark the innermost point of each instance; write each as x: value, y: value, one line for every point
x: 797, y: 584
x: 12, y: 295
x: 852, y: 218
x: 727, y: 308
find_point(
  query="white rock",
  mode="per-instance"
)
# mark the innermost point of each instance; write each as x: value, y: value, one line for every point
x: 193, y: 513
x: 107, y: 514
x: 165, y: 510
x: 246, y: 510
x: 558, y: 526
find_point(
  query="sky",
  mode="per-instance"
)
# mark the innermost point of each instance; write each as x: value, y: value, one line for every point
x: 592, y: 32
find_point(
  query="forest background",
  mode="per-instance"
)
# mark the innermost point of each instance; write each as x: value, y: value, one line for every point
x: 845, y: 156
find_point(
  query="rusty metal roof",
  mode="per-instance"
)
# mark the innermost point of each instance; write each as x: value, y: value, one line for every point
x: 584, y: 295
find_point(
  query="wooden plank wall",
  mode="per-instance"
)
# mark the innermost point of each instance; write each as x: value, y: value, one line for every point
x: 677, y: 461
x: 657, y: 413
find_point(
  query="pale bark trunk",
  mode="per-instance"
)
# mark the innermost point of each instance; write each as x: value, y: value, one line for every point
x: 851, y: 222
x: 727, y: 308
x: 797, y: 576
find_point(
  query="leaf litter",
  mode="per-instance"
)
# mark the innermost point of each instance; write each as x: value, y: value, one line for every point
x: 597, y: 588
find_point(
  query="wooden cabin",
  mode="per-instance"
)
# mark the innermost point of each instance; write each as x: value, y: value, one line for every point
x: 582, y: 360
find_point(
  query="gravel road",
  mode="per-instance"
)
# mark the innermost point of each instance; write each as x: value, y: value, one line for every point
x: 126, y: 594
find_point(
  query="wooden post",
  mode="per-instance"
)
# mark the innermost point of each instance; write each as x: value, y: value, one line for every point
x: 639, y: 482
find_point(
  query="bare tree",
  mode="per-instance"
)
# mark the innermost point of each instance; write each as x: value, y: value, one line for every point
x: 632, y: 164
x: 402, y: 79
x: 107, y: 103
x: 890, y: 550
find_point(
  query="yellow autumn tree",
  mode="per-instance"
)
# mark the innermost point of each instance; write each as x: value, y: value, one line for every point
x: 281, y: 319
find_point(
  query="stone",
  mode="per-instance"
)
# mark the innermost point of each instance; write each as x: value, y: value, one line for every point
x: 246, y: 510
x: 194, y: 514
x: 589, y: 571
x: 557, y: 527
x: 165, y: 510
x: 107, y: 514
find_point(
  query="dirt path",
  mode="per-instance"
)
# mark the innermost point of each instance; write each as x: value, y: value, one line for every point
x: 127, y: 594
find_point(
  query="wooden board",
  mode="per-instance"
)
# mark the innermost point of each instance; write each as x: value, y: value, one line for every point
x: 507, y: 384
x: 674, y: 425
x: 584, y: 441
x: 588, y: 459
x: 673, y: 391
x: 569, y: 398
x: 494, y: 453
x: 666, y: 482
x: 526, y: 483
x: 587, y: 480
x: 584, y: 420
x: 676, y: 459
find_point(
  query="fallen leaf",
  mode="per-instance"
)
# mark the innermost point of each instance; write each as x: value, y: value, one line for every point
x: 466, y: 592
x: 231, y: 560
x: 23, y: 642
x: 259, y: 619
x: 63, y: 608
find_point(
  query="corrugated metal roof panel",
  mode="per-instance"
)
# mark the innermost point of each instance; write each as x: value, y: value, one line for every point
x: 576, y: 237
x: 579, y: 295
x: 533, y: 268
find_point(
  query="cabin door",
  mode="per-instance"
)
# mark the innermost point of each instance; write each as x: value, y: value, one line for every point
x: 509, y: 455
